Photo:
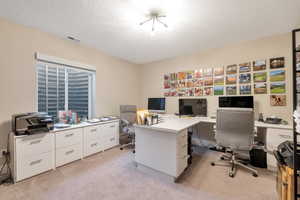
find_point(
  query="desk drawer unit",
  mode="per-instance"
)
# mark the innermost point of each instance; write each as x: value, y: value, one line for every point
x: 181, y: 164
x: 68, y: 154
x: 69, y: 137
x: 34, y: 144
x: 32, y: 165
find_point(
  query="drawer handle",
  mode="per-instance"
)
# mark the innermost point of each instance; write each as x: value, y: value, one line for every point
x: 285, y: 136
x: 94, y: 130
x: 112, y: 139
x: 69, y: 135
x: 36, y: 162
x: 35, y: 142
x: 69, y: 152
x: 95, y: 144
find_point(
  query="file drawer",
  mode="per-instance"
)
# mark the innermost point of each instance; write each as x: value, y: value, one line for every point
x: 109, y: 142
x: 91, y: 133
x: 67, y: 138
x: 34, y: 144
x: 93, y: 147
x: 182, y: 138
x: 181, y: 164
x: 32, y: 165
x: 68, y: 154
x: 182, y: 149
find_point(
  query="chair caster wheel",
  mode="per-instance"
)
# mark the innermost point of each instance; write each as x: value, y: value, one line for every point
x: 255, y: 175
x: 133, y: 151
x: 222, y: 158
x: 231, y: 175
x: 121, y: 148
x: 212, y: 164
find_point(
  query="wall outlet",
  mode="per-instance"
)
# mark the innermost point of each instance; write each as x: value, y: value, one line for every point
x: 2, y: 151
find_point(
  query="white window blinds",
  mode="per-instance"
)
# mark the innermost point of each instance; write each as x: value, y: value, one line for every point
x: 64, y: 88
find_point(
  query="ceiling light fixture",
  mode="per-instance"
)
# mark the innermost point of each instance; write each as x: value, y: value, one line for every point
x: 155, y: 18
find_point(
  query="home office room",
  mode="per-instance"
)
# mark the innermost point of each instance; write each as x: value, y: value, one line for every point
x: 149, y: 99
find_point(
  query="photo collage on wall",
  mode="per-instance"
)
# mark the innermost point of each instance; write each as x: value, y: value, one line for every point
x: 238, y: 79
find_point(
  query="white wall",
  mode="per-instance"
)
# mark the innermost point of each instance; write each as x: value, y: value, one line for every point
x: 265, y: 48
x: 116, y: 80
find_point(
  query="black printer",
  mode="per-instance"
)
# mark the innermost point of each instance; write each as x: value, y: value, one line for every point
x: 284, y: 154
x: 32, y: 123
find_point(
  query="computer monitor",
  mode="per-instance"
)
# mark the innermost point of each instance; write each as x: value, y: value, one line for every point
x: 157, y: 105
x: 193, y: 107
x: 236, y: 102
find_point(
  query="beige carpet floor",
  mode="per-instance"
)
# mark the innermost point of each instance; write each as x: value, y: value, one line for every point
x: 112, y: 175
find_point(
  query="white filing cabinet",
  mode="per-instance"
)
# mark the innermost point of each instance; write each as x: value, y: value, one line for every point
x: 68, y: 146
x: 34, y: 154
x: 273, y: 138
x: 100, y: 137
x: 109, y: 135
x: 31, y: 155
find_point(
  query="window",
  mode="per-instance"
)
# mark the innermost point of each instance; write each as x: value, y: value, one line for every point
x: 61, y: 87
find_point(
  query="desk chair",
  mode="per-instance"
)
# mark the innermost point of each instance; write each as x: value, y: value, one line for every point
x: 235, y: 132
x: 127, y: 119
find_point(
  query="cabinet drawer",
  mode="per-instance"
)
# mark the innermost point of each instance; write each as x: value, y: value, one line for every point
x: 277, y: 136
x: 34, y: 144
x: 271, y: 162
x: 68, y: 154
x: 182, y: 138
x: 32, y: 165
x: 109, y: 129
x: 182, y: 149
x: 91, y: 133
x: 109, y: 142
x: 67, y: 138
x: 181, y: 164
x: 92, y: 147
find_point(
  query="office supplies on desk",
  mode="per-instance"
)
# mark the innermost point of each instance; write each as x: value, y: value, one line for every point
x: 273, y: 120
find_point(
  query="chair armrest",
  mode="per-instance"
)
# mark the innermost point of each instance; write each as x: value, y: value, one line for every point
x: 125, y: 122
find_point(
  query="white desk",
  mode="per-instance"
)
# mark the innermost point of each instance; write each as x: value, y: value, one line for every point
x: 163, y: 146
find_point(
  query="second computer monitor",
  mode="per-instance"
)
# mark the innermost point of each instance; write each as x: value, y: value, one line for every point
x: 193, y: 107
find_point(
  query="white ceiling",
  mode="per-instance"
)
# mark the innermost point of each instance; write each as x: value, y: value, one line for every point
x: 112, y: 26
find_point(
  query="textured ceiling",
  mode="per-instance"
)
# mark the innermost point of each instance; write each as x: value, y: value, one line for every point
x: 112, y: 26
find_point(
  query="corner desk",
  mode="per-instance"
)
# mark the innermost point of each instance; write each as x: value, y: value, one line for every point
x: 163, y: 146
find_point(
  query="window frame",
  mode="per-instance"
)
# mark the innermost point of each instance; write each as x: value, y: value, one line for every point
x: 91, y: 88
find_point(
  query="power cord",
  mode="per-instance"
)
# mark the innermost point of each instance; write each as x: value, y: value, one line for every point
x: 6, y: 177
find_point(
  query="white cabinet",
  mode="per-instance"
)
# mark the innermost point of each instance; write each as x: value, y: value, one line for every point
x: 273, y: 138
x: 31, y: 155
x: 68, y: 146
x: 109, y: 135
x: 34, y: 154
x: 100, y: 137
